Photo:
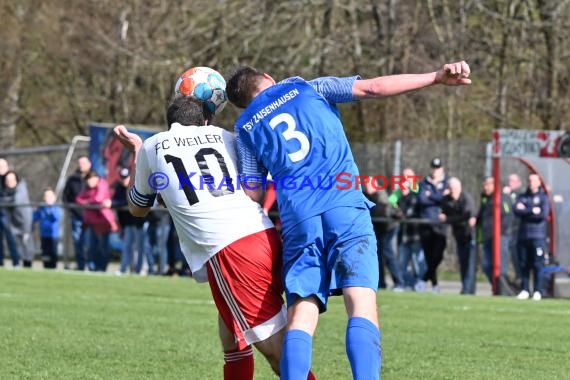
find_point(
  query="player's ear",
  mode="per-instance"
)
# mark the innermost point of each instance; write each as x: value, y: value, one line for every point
x: 269, y: 78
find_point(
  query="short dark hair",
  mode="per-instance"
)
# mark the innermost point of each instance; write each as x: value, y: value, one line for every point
x: 15, y: 175
x: 188, y: 111
x: 91, y: 173
x: 242, y: 85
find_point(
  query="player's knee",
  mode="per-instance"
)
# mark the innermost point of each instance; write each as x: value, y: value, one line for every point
x: 226, y: 337
x: 361, y: 302
x: 304, y: 315
x: 271, y: 350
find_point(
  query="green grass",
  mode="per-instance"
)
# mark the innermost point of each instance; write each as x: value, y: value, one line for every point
x: 80, y: 326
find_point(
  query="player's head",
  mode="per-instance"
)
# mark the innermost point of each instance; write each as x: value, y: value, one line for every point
x: 83, y: 164
x: 534, y: 182
x: 515, y: 182
x: 489, y: 185
x: 11, y: 179
x: 92, y: 179
x: 4, y: 167
x: 188, y: 111
x: 454, y: 185
x: 49, y: 196
x: 245, y: 84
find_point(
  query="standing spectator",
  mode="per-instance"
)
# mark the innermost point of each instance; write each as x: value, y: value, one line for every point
x: 49, y: 218
x: 411, y: 184
x: 5, y: 231
x: 513, y: 190
x: 74, y: 185
x: 458, y: 209
x: 410, y: 247
x: 485, y: 222
x: 532, y: 208
x: 173, y: 249
x: 156, y: 235
x: 19, y: 217
x: 386, y: 236
x: 131, y: 226
x: 99, y: 219
x: 433, y: 236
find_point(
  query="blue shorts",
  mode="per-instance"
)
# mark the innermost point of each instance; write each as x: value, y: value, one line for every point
x: 328, y: 252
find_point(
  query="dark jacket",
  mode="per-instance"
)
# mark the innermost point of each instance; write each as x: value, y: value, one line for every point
x: 533, y: 226
x: 458, y: 213
x: 515, y: 222
x: 73, y: 186
x: 485, y: 216
x: 408, y: 205
x: 430, y: 197
x: 119, y: 202
x: 382, y: 209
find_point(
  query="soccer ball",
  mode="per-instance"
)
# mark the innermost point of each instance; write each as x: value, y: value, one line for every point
x: 203, y: 84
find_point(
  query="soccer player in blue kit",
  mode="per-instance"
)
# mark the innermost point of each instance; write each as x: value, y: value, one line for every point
x: 293, y: 130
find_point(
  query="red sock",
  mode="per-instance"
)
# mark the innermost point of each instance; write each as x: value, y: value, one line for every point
x: 238, y: 365
x: 311, y: 376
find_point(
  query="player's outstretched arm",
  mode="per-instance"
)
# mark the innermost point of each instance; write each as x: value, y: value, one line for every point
x: 450, y: 74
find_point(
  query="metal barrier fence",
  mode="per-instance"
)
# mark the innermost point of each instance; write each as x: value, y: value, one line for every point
x: 66, y: 248
x: 467, y: 160
x: 66, y: 252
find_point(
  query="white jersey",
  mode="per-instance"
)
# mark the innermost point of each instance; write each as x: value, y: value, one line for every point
x: 194, y: 170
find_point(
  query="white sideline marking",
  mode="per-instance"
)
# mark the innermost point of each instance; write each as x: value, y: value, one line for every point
x: 159, y: 299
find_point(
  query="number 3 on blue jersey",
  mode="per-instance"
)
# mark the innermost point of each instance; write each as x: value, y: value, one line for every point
x: 291, y: 133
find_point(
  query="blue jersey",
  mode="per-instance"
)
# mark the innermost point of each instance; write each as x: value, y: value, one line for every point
x: 293, y: 132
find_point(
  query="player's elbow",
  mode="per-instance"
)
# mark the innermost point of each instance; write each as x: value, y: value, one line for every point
x: 254, y: 191
x: 370, y: 88
x: 137, y: 211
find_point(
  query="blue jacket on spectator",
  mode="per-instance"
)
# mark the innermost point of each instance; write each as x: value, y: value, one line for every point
x: 430, y: 197
x: 533, y: 225
x: 49, y: 218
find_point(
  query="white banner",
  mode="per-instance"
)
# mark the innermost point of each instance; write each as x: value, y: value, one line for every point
x: 527, y: 143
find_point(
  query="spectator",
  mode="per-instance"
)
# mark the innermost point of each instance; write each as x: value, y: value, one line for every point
x: 156, y: 236
x: 174, y: 252
x: 411, y: 253
x: 5, y: 231
x: 131, y: 227
x: 433, y: 236
x: 485, y: 222
x: 532, y: 208
x: 458, y: 209
x: 19, y: 217
x: 513, y: 190
x: 49, y: 218
x: 99, y: 219
x: 386, y: 234
x: 73, y: 186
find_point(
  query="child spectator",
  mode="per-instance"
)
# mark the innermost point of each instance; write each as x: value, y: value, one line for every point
x: 49, y: 218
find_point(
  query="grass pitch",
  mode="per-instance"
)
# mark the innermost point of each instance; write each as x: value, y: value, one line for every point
x: 65, y: 325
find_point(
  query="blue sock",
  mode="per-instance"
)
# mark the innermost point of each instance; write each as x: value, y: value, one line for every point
x: 363, y: 348
x: 296, y: 356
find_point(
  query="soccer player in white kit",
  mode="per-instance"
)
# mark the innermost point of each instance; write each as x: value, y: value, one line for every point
x: 225, y: 236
